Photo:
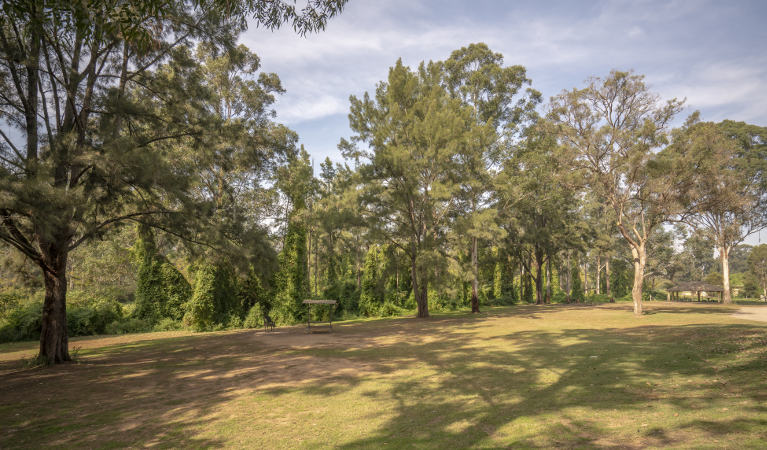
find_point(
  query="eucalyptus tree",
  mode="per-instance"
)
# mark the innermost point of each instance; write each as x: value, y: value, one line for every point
x: 413, y: 133
x: 613, y: 127
x: 502, y: 105
x: 96, y: 129
x: 730, y: 160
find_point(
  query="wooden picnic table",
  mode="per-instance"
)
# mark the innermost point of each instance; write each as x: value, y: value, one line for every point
x: 309, y: 304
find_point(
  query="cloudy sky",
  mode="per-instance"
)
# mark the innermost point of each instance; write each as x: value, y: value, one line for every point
x: 714, y: 53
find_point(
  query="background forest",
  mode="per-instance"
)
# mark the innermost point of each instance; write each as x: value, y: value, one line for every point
x: 189, y: 206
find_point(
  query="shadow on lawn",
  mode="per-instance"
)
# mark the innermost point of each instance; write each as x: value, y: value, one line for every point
x: 554, y: 388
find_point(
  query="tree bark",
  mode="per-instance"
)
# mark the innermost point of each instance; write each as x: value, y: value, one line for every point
x: 54, y: 342
x: 599, y: 270
x: 608, y: 291
x: 548, y: 280
x: 585, y: 276
x: 474, y: 275
x: 419, y: 291
x: 724, y: 256
x: 640, y: 260
x: 569, y: 285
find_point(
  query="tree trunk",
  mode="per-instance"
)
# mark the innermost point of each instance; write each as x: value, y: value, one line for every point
x: 724, y: 255
x: 569, y: 276
x: 54, y: 342
x: 599, y: 270
x: 539, y: 279
x: 585, y: 276
x: 419, y: 291
x: 548, y: 280
x: 640, y: 259
x: 474, y: 275
x: 608, y: 291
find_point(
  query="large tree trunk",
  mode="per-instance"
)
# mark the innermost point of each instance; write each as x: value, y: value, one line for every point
x: 419, y: 291
x: 640, y: 259
x: 724, y: 256
x: 474, y: 276
x: 54, y: 342
x: 608, y: 291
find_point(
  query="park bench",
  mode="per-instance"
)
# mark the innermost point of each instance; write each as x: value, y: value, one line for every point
x: 309, y: 303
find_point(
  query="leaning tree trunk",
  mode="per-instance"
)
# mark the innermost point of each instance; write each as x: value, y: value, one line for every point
x: 724, y: 256
x: 54, y: 343
x: 474, y: 276
x: 640, y: 260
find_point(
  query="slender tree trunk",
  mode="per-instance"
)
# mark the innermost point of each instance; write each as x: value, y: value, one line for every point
x: 569, y: 285
x: 599, y: 270
x: 419, y: 290
x: 521, y: 281
x: 724, y: 256
x: 640, y: 260
x: 474, y: 276
x: 548, y: 280
x: 608, y: 291
x: 585, y: 276
x: 54, y: 342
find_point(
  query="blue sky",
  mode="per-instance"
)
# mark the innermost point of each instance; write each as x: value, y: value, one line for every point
x: 714, y: 53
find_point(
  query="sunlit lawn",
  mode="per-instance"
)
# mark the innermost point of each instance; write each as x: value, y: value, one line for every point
x: 683, y: 375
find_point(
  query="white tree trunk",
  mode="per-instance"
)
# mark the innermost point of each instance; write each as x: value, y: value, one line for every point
x: 640, y: 259
x: 724, y: 256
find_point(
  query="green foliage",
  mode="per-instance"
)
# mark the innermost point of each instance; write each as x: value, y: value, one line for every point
x: 292, y: 281
x: 577, y: 286
x: 372, y: 290
x: 161, y: 290
x: 88, y: 315
x: 255, y: 317
x: 201, y: 307
x: 528, y: 293
x: 620, y: 278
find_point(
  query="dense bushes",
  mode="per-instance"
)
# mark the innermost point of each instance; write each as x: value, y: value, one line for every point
x: 161, y: 290
x: 86, y: 315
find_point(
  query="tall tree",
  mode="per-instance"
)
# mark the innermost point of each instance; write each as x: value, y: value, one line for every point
x: 414, y: 132
x: 613, y: 127
x: 730, y: 160
x: 97, y: 126
x: 757, y: 263
x: 500, y: 105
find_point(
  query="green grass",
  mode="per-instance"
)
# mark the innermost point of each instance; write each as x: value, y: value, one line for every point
x: 681, y: 376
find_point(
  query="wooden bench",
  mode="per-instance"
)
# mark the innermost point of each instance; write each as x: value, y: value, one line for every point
x: 309, y: 303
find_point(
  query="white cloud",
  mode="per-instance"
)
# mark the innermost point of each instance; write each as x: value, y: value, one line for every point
x: 686, y: 48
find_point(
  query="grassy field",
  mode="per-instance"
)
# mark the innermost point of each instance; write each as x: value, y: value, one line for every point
x: 683, y: 375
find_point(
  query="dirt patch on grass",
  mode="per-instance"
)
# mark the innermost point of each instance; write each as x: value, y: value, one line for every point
x: 757, y: 313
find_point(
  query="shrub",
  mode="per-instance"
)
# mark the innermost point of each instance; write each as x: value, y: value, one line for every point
x: 128, y: 325
x: 201, y: 307
x: 23, y: 323
x: 168, y: 324
x: 255, y: 317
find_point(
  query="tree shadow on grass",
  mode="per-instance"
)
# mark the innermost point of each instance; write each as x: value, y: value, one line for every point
x: 434, y: 383
x: 570, y: 389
